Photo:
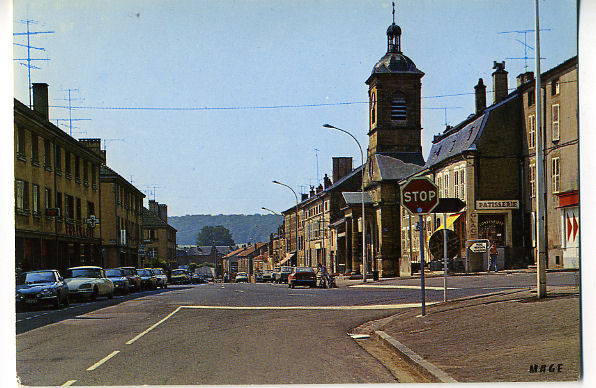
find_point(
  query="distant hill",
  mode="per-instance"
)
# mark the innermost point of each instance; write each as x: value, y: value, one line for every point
x: 244, y: 228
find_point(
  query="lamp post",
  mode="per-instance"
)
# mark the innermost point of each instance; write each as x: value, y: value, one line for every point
x: 364, y: 261
x: 272, y: 211
x: 296, y: 196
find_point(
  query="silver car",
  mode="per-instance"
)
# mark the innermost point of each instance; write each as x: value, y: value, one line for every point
x: 88, y: 282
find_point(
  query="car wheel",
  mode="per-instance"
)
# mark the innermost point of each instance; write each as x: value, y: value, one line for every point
x: 57, y: 302
x: 66, y: 300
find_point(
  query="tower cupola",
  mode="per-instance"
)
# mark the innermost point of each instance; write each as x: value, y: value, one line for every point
x: 394, y: 36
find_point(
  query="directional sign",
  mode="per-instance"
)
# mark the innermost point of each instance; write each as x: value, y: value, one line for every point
x: 420, y: 195
x: 478, y: 247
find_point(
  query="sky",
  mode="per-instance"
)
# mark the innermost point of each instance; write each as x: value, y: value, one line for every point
x: 204, y: 103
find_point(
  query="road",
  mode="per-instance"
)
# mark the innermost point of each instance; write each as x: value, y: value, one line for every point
x: 228, y: 333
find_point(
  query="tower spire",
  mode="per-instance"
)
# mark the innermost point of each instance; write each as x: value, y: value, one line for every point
x: 393, y: 12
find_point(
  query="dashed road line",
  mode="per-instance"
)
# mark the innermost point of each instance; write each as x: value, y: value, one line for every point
x: 106, y: 358
x: 68, y: 383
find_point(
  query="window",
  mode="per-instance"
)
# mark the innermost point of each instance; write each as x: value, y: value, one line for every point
x: 85, y: 171
x: 532, y: 131
x: 556, y: 174
x: 58, y: 161
x: 34, y: 148
x: 462, y: 183
x: 48, y: 198
x: 532, y: 174
x: 555, y: 121
x: 69, y: 206
x: 77, y: 168
x: 59, y: 202
x: 456, y: 184
x: 21, y: 142
x: 67, y: 165
x: 36, y: 200
x: 446, y: 185
x: 440, y: 185
x: 555, y: 87
x: 531, y: 97
x: 79, y: 215
x: 93, y: 175
x: 47, y: 153
x: 398, y: 106
x: 19, y: 190
x: 373, y: 108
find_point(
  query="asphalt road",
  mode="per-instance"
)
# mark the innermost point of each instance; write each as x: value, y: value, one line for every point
x: 227, y: 333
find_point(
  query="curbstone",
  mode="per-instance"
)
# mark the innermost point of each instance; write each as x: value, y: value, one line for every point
x: 426, y: 368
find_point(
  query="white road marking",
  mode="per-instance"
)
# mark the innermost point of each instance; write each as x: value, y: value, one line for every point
x: 68, y: 383
x: 359, y: 336
x: 106, y: 358
x: 154, y: 326
x: 238, y: 291
x: 367, y: 307
x: 404, y: 287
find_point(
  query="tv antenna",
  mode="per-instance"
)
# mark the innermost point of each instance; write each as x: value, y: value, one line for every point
x: 317, y: 157
x: 105, y: 142
x: 28, y: 60
x: 444, y: 109
x: 524, y: 44
x: 70, y: 108
x: 152, y: 189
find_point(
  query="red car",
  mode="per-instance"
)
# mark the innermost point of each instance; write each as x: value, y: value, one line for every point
x: 302, y: 276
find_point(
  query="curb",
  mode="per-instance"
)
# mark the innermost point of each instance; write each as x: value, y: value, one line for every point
x: 420, y: 364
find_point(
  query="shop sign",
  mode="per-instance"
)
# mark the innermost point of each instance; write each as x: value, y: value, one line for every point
x: 497, y: 205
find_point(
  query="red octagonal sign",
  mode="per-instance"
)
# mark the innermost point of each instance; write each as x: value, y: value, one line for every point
x: 419, y: 195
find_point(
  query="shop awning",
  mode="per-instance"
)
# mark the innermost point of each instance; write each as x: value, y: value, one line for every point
x: 288, y: 257
x: 450, y: 220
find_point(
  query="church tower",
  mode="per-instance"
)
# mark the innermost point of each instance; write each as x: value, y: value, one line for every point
x: 394, y: 103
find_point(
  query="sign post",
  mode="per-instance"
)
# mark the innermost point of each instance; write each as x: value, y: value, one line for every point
x: 420, y: 196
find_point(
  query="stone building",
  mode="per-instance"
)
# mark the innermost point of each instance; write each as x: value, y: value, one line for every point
x: 561, y: 163
x: 57, y: 192
x: 159, y: 237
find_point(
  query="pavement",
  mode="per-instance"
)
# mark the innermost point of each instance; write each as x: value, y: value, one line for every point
x: 506, y: 336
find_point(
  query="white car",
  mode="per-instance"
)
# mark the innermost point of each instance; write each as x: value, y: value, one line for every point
x: 88, y: 282
x: 241, y: 277
x: 162, y: 278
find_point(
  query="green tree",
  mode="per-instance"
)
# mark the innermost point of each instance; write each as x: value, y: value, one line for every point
x: 217, y: 235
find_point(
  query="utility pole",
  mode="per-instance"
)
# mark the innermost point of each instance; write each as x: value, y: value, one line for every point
x: 540, y: 226
x: 28, y: 60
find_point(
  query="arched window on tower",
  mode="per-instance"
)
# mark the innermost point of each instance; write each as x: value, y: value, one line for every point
x: 398, y: 107
x: 373, y: 108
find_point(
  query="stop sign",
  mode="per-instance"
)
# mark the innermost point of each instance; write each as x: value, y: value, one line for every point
x: 420, y: 195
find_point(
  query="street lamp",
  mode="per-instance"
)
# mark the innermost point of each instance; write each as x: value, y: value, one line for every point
x: 272, y: 211
x: 296, y: 196
x: 364, y: 261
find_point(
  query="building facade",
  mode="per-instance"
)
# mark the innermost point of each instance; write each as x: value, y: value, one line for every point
x: 57, y: 192
x: 159, y: 237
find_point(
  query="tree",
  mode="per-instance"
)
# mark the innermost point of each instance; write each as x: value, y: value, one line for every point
x: 217, y: 235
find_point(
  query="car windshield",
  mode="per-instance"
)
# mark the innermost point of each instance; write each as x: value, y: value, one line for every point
x: 144, y: 272
x: 304, y: 269
x: 113, y: 273
x: 156, y: 271
x: 36, y: 277
x: 83, y: 273
x: 177, y: 272
x: 241, y: 274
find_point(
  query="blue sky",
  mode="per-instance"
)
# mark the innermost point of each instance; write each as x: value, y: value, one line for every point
x: 251, y: 57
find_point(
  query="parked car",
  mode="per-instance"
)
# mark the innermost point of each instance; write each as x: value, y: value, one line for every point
x: 179, y: 276
x: 134, y: 280
x: 162, y: 278
x: 282, y: 275
x: 275, y: 274
x: 267, y: 275
x: 41, y: 287
x: 241, y: 277
x: 258, y: 277
x: 88, y: 282
x: 148, y: 280
x: 121, y: 283
x: 302, y: 276
x: 197, y: 278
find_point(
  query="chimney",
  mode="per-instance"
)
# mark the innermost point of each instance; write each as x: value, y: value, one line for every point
x: 480, y: 90
x: 500, y: 88
x: 94, y: 145
x: 525, y: 78
x: 342, y: 166
x: 319, y: 189
x: 40, y: 100
x: 326, y: 182
x: 312, y: 191
x: 153, y: 206
x: 163, y: 212
x: 304, y: 197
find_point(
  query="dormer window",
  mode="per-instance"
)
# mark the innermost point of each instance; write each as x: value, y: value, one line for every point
x: 398, y: 107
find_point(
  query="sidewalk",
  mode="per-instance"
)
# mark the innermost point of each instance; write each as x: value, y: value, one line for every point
x: 504, y: 337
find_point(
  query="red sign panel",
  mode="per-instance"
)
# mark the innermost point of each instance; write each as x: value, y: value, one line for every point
x: 419, y: 195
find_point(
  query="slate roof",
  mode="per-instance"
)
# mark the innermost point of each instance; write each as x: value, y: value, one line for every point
x: 105, y: 171
x: 395, y: 63
x: 355, y: 198
x: 462, y: 137
x: 408, y: 157
x: 395, y: 169
x: 152, y: 220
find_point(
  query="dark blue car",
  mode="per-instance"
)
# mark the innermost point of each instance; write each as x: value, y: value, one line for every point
x: 41, y: 287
